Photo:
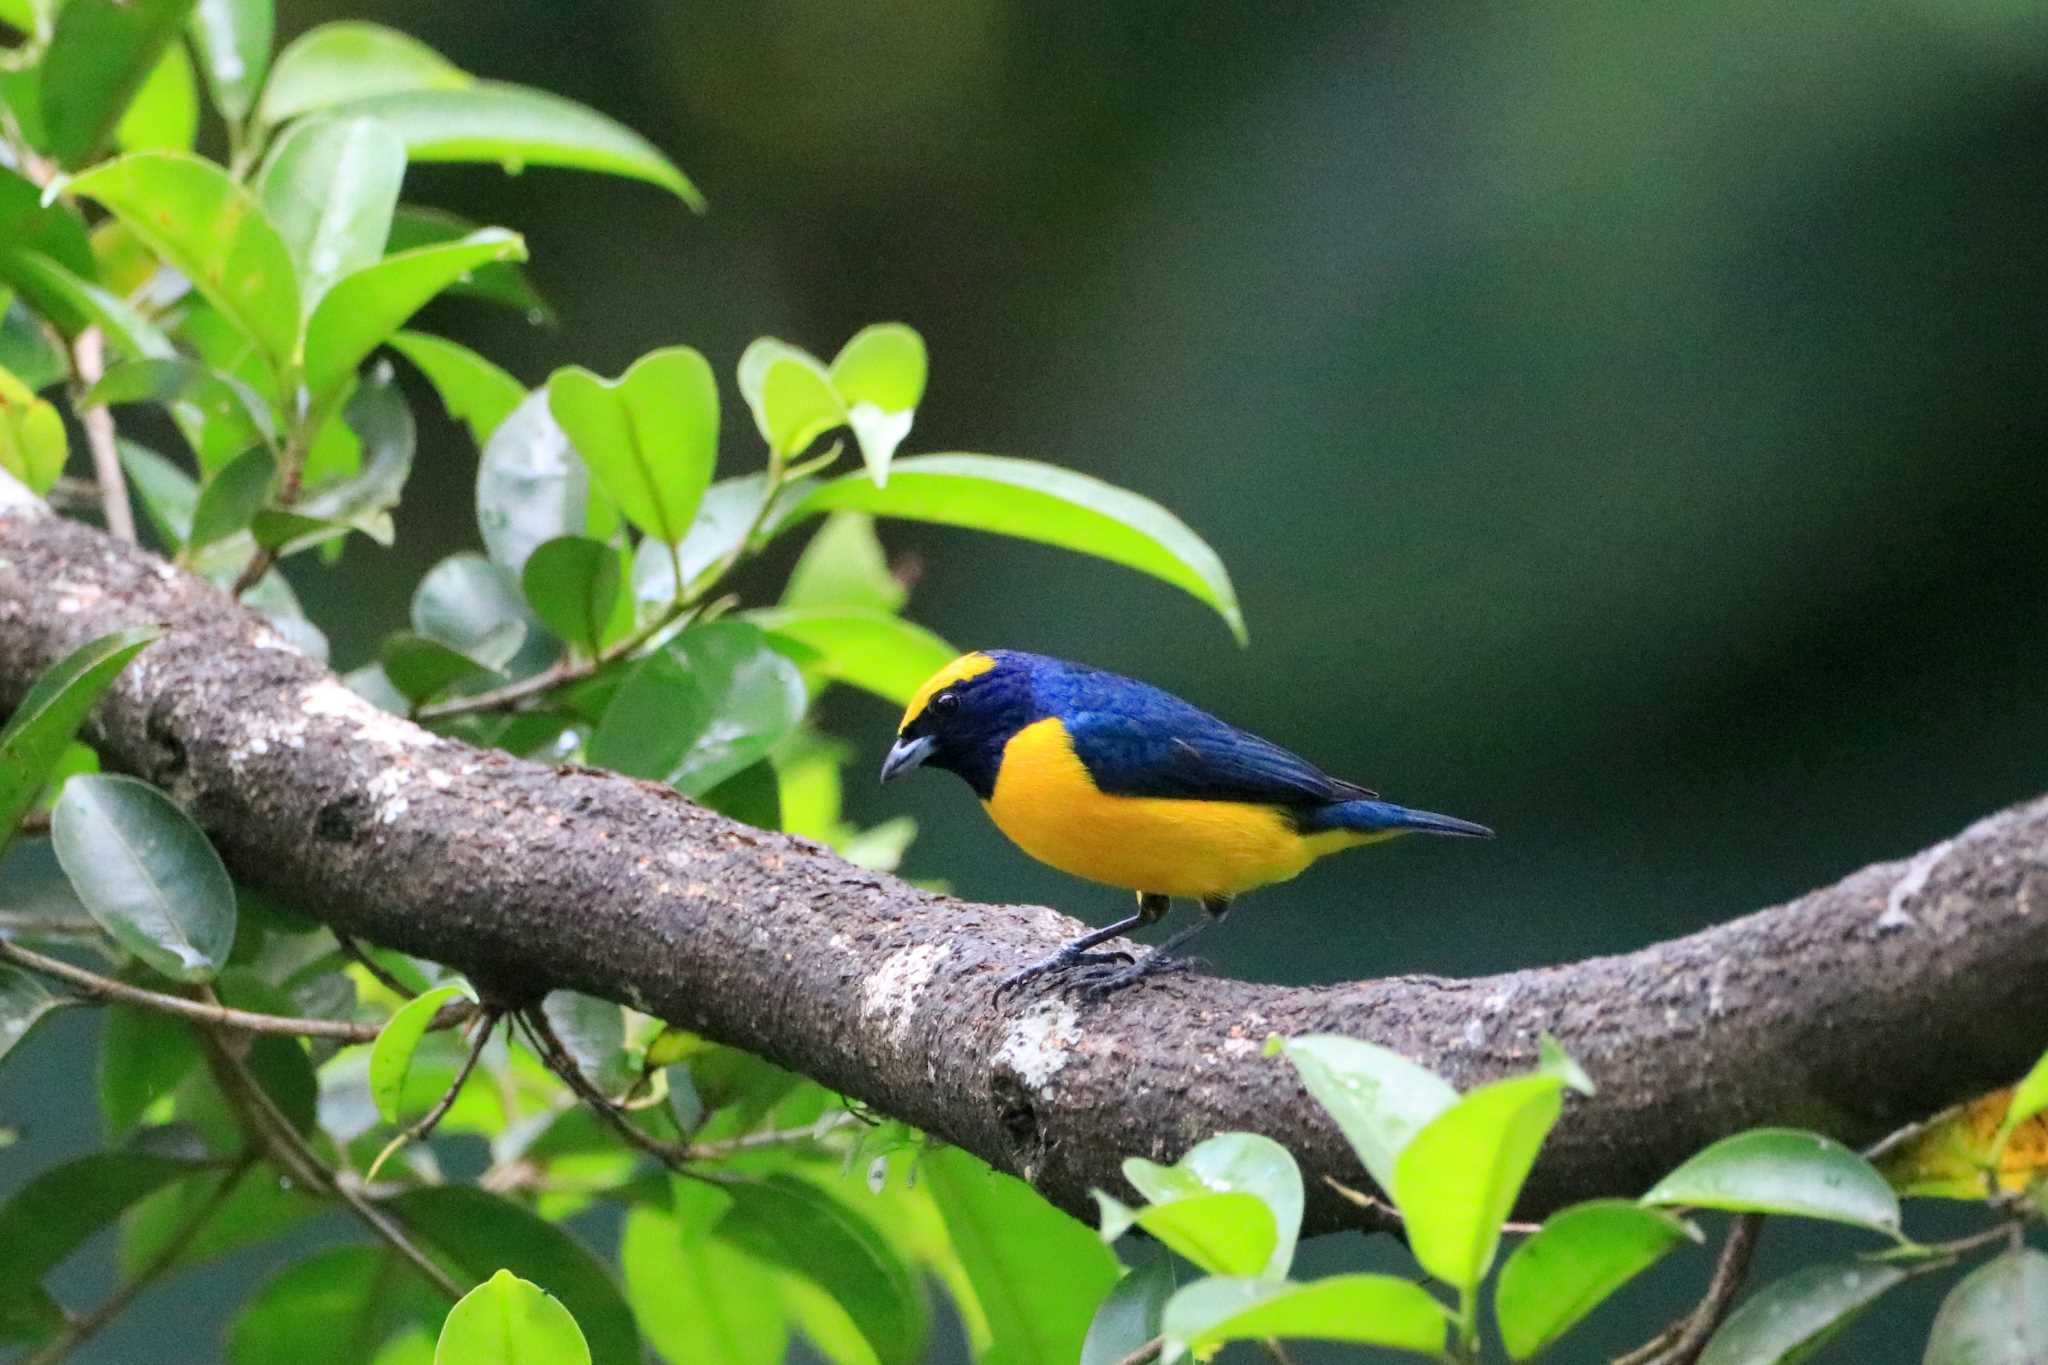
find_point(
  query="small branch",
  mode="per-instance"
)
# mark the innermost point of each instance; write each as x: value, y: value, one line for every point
x: 1148, y: 1352
x: 355, y: 950
x: 35, y: 824
x: 508, y: 697
x: 200, y: 1012
x: 1682, y: 1342
x: 252, y: 572
x: 16, y: 925
x: 88, y: 363
x: 82, y: 1329
x: 421, y: 1128
x: 545, y: 1042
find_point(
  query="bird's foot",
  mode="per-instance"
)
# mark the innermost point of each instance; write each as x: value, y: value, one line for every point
x: 1055, y: 963
x: 1104, y: 982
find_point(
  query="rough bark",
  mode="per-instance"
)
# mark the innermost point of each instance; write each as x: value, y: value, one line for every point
x: 1852, y: 1010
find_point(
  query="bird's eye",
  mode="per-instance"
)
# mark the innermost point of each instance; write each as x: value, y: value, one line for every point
x: 945, y: 704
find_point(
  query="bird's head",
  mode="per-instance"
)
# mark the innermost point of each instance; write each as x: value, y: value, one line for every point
x: 963, y: 716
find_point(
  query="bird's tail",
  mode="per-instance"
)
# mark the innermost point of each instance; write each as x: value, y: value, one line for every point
x: 1384, y: 817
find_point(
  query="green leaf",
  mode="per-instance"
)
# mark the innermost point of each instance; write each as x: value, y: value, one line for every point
x: 1372, y: 1310
x: 1040, y: 502
x: 510, y: 1321
x: 72, y: 303
x: 650, y: 437
x: 23, y: 1001
x: 1224, y: 1234
x: 231, y: 498
x: 699, y: 1301
x: 32, y: 444
x: 1996, y: 1315
x: 164, y: 114
x: 577, y: 588
x: 1571, y: 1265
x: 391, y: 1055
x: 49, y: 715
x: 380, y: 419
x: 1379, y: 1099
x: 362, y: 309
x: 2029, y: 1098
x: 712, y: 701
x: 142, y: 1057
x: 530, y: 487
x: 1036, y: 1273
x: 723, y: 518
x: 422, y: 668
x: 336, y: 63
x: 787, y: 1222
x: 1783, y: 1170
x: 258, y: 1211
x: 146, y: 874
x: 30, y: 227
x: 214, y: 232
x: 1129, y: 1316
x: 482, y: 1233
x: 594, y: 1032
x: 878, y: 653
x: 474, y: 391
x: 328, y: 1308
x: 515, y: 127
x: 54, y: 1214
x: 844, y: 566
x: 1457, y: 1179
x: 98, y: 58
x: 790, y: 393
x: 167, y: 493
x: 471, y: 605
x: 1552, y: 1058
x: 219, y: 414
x: 501, y: 283
x: 232, y: 39
x: 751, y: 796
x: 331, y: 185
x: 1242, y: 1163
x: 880, y: 376
x: 1790, y: 1319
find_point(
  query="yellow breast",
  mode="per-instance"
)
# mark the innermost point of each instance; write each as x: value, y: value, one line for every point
x: 1045, y: 801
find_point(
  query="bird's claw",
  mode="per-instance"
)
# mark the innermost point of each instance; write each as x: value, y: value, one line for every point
x: 1103, y: 983
x: 1058, y: 962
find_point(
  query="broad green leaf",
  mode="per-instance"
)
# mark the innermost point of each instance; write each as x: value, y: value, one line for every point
x: 1792, y: 1318
x: 32, y: 444
x: 577, y: 588
x: 1371, y: 1310
x: 28, y: 226
x: 1577, y: 1259
x: 594, y: 1032
x: 750, y: 796
x: 790, y: 1223
x: 1378, y: 1098
x: 530, y: 487
x: 482, y: 1233
x: 231, y: 498
x: 471, y: 605
x: 232, y: 40
x: 880, y: 377
x: 34, y: 737
x: 1996, y: 1315
x: 380, y: 420
x: 337, y: 63
x: 871, y: 650
x: 1037, y: 1274
x: 72, y: 303
x: 1040, y: 502
x: 412, y: 1346
x: 99, y: 57
x: 790, y: 394
x: 167, y: 493
x: 1129, y: 1316
x: 142, y: 1057
x: 1225, y: 1233
x: 214, y: 232
x: 220, y: 416
x: 728, y: 510
x: 515, y: 127
x: 699, y: 1301
x: 28, y: 348
x: 1783, y: 1170
x: 844, y: 566
x: 1552, y: 1057
x: 24, y: 1000
x: 1242, y: 1163
x: 328, y: 1308
x: 880, y: 848
x: 2029, y: 1098
x: 146, y: 874
x: 510, y: 1321
x: 474, y: 391
x: 502, y: 282
x: 362, y: 309
x: 258, y: 1211
x: 422, y: 668
x: 164, y: 114
x: 712, y: 701
x: 331, y: 185
x: 391, y: 1055
x: 1457, y: 1178
x: 650, y: 437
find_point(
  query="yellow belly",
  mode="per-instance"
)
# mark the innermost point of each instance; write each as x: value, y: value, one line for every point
x: 1047, y: 804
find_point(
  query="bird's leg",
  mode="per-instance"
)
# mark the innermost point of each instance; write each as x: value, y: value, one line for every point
x: 1160, y: 959
x: 1150, y: 909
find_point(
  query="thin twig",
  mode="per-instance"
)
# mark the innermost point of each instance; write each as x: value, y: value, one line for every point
x: 1149, y: 1351
x: 509, y: 696
x: 14, y: 924
x: 1682, y: 1342
x: 201, y: 1012
x: 549, y: 1046
x: 88, y: 363
x: 375, y: 968
x: 1389, y: 1219
x: 422, y: 1128
x: 80, y: 1330
x: 252, y: 572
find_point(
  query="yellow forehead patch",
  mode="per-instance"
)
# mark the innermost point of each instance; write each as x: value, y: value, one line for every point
x: 960, y: 670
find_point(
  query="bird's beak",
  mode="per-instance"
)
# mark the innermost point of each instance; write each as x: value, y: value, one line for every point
x: 904, y: 755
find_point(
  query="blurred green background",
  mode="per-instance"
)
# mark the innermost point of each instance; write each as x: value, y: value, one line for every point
x: 1624, y: 423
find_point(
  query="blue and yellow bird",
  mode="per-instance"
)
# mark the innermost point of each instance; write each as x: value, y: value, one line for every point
x: 1119, y: 782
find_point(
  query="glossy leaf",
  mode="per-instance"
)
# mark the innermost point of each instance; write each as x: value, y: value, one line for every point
x: 391, y: 1055
x: 510, y: 1321
x: 1128, y: 1317
x: 697, y: 1299
x: 259, y: 1209
x: 336, y: 63
x: 880, y: 375
x: 24, y: 1000
x: 1996, y: 1315
x: 232, y: 40
x: 1783, y: 1170
x: 146, y: 874
x: 167, y: 493
x: 472, y: 605
x: 844, y: 566
x: 30, y: 227
x: 1378, y: 1098
x: 50, y: 713
x: 1579, y: 1257
x: 530, y: 487
x: 876, y: 652
x: 220, y: 416
x: 473, y: 390
x: 1372, y: 1310
x: 1243, y: 1163
x: 693, y: 713
x: 1040, y: 502
x: 1949, y: 1156
x: 594, y: 1032
x: 650, y: 437
x: 502, y: 283
x: 576, y: 587
x: 164, y: 114
x: 331, y: 185
x: 99, y: 56
x: 1457, y: 1179
x: 231, y: 498
x: 32, y: 443
x: 728, y: 509
x: 790, y: 395
x: 1223, y: 1233
x: 61, y: 294
x: 362, y: 309
x: 326, y: 1309
x: 142, y: 1057
x: 1792, y: 1318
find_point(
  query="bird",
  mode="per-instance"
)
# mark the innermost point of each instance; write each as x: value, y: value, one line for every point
x: 1122, y: 783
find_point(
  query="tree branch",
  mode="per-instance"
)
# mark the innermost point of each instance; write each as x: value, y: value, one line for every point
x: 1838, y: 1011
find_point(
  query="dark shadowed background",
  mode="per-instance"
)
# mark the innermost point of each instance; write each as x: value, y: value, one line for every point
x: 1624, y: 423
